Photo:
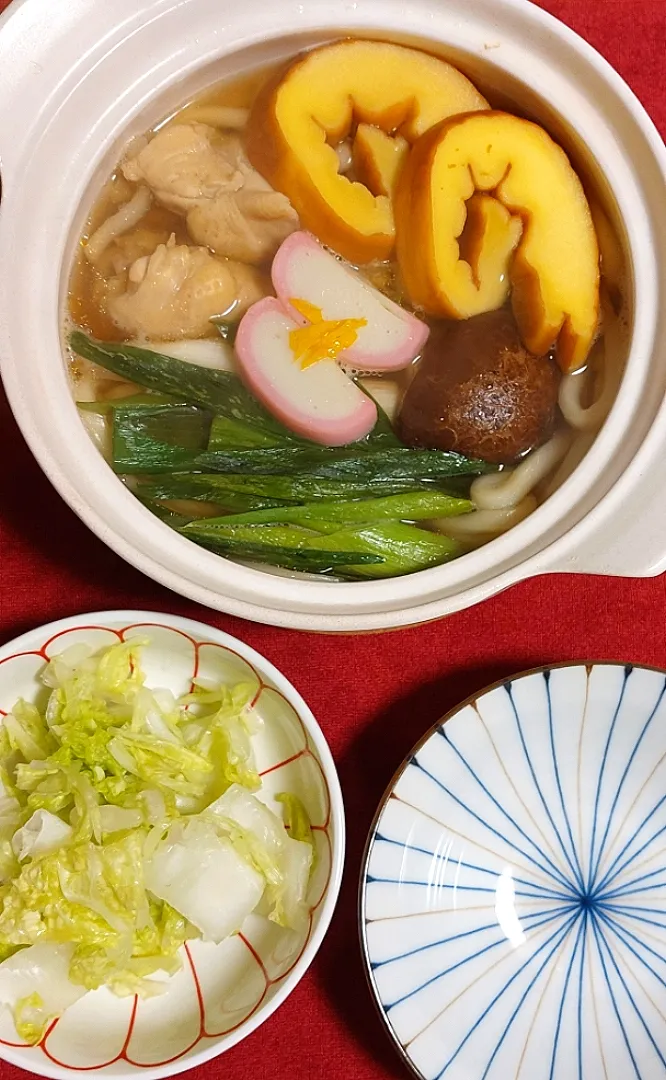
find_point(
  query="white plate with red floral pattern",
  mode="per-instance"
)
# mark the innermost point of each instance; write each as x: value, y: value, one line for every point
x: 223, y: 992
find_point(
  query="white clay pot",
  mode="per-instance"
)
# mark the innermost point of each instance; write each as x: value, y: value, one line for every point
x: 78, y: 79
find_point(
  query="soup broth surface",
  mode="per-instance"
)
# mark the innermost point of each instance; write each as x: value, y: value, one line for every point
x: 471, y: 432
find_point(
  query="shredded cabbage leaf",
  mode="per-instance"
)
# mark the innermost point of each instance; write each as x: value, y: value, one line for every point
x: 34, y: 984
x: 260, y: 837
x: 102, y: 794
x: 296, y: 817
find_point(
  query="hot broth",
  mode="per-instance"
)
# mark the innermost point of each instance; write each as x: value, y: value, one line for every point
x: 276, y: 377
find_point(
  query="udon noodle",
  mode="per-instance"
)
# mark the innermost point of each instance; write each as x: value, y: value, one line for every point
x: 605, y: 368
x: 121, y: 222
x: 225, y: 117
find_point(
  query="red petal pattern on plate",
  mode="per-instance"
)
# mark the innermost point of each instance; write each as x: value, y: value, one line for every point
x: 52, y: 1052
x: 199, y: 960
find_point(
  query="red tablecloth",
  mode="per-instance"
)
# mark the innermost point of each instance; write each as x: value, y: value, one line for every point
x: 373, y: 695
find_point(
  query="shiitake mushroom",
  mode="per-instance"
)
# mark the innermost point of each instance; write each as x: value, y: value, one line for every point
x: 478, y: 391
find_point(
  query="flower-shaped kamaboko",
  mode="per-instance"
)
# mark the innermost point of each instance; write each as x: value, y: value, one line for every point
x: 215, y: 998
x: 293, y: 349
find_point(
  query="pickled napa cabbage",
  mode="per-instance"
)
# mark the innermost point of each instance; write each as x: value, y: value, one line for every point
x: 128, y: 825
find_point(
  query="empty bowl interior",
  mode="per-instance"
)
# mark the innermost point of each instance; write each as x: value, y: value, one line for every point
x: 512, y: 893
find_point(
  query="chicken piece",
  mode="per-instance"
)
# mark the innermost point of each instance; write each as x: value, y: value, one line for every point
x: 205, y: 175
x: 187, y: 162
x: 249, y: 225
x: 174, y: 293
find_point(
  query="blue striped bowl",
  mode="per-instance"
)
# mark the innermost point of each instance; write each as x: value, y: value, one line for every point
x: 513, y: 897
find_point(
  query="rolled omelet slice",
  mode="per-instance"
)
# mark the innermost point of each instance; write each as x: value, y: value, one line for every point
x: 301, y: 116
x: 378, y: 158
x: 457, y: 265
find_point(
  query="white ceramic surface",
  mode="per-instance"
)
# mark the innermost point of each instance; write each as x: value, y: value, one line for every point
x: 78, y: 78
x: 223, y: 992
x: 513, y: 903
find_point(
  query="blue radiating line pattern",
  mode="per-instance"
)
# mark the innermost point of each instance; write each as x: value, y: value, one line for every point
x: 571, y: 983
